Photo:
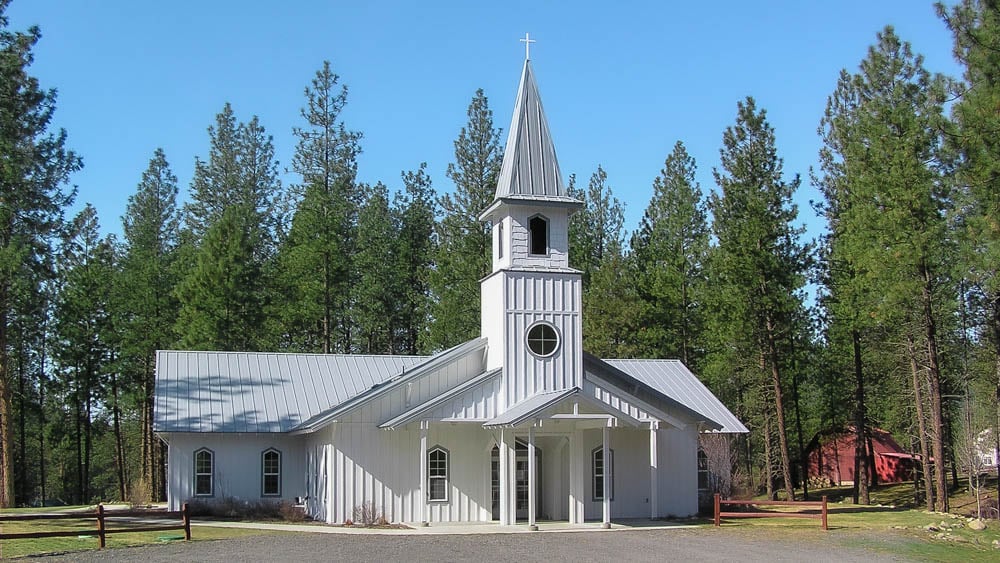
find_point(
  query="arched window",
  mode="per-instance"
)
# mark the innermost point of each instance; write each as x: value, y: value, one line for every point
x: 204, y: 471
x: 270, y: 473
x: 538, y: 234
x: 598, y: 472
x: 437, y: 474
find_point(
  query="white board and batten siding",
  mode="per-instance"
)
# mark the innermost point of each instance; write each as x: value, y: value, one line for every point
x: 531, y: 297
x: 238, y: 466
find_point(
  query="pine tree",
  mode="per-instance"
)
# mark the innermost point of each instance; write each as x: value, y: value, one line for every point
x: 889, y: 204
x: 670, y: 250
x: 36, y: 164
x: 415, y: 209
x: 596, y: 229
x: 235, y: 194
x: 759, y: 259
x: 316, y: 258
x: 83, y: 329
x: 378, y: 292
x: 614, y: 312
x: 146, y: 302
x: 463, y: 255
x: 976, y: 27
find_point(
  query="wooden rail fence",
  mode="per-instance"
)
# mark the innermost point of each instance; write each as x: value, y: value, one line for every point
x: 719, y: 515
x: 102, y: 523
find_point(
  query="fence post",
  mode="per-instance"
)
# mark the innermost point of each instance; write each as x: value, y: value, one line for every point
x: 718, y: 519
x: 186, y: 516
x: 824, y: 512
x: 100, y: 525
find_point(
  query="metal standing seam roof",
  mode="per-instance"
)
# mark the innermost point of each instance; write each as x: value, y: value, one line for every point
x: 536, y: 403
x: 675, y: 380
x: 260, y: 392
x: 412, y: 414
x: 530, y: 168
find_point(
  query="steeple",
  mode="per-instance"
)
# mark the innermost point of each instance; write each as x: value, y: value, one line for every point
x: 530, y: 170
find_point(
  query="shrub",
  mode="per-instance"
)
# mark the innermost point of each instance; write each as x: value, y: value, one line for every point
x: 367, y: 515
x: 140, y: 491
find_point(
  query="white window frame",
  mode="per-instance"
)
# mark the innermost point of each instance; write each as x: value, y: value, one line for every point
x: 210, y: 473
x: 264, y: 473
x: 438, y: 474
x: 528, y: 339
x: 500, y: 240
x: 598, y: 478
x: 531, y: 235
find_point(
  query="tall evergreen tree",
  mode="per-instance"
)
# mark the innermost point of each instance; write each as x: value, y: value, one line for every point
x: 235, y: 194
x: 975, y: 25
x: 759, y: 258
x: 146, y: 302
x: 596, y: 230
x: 670, y: 250
x: 415, y: 209
x: 36, y: 166
x: 463, y: 255
x: 316, y: 271
x: 83, y: 329
x: 378, y: 291
x: 889, y: 202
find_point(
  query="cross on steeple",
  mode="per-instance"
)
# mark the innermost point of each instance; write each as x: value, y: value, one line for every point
x: 527, y: 46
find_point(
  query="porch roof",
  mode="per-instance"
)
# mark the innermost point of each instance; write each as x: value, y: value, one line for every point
x: 534, y: 406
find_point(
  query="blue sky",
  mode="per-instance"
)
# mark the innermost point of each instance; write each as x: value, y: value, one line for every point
x: 621, y: 81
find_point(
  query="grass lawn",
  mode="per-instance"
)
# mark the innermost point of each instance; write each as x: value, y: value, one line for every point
x: 88, y: 539
x: 890, y: 525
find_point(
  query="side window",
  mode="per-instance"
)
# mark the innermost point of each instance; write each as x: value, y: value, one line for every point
x: 271, y: 473
x: 437, y: 474
x: 538, y: 233
x: 599, y: 467
x: 500, y: 239
x: 204, y: 472
x: 702, y: 471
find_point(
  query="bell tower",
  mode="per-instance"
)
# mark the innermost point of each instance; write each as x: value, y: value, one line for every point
x: 531, y: 302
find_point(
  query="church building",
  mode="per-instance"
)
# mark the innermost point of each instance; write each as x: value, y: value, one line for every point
x: 518, y: 425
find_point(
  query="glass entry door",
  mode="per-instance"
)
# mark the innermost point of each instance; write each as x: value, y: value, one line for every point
x: 521, y: 481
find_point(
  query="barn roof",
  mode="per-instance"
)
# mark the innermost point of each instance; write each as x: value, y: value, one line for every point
x: 260, y: 392
x: 673, y: 379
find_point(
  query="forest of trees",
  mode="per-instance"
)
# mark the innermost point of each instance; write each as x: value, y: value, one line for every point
x: 890, y: 320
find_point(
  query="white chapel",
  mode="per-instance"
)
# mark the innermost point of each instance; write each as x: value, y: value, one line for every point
x: 516, y: 426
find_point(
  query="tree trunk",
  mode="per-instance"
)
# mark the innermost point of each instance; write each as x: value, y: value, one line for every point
x: 119, y: 442
x: 861, y: 468
x: 6, y: 409
x: 21, y: 494
x: 768, y: 462
x: 78, y: 408
x: 934, y: 379
x: 779, y: 409
x: 918, y: 401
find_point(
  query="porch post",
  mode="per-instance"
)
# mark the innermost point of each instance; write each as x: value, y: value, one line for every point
x: 532, y: 484
x: 654, y: 476
x: 422, y: 504
x: 606, y: 471
x: 576, y: 479
x: 504, y: 476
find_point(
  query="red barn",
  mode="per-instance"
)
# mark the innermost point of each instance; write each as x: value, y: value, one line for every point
x: 831, y: 455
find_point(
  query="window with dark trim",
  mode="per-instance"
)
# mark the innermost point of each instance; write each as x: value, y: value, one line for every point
x: 543, y: 340
x: 703, y: 475
x: 437, y: 474
x: 598, y: 472
x: 538, y: 235
x: 204, y: 471
x: 270, y: 473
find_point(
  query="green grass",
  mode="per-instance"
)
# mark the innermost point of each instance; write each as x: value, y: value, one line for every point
x: 890, y: 525
x: 27, y: 547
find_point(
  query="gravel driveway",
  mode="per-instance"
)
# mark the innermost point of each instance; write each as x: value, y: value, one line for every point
x: 650, y: 545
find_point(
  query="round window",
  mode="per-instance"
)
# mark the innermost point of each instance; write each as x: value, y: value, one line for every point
x: 543, y: 339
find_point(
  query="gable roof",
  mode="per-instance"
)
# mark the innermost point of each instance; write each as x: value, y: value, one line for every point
x: 260, y: 392
x: 413, y: 414
x: 530, y: 169
x: 674, y: 380
x: 474, y: 346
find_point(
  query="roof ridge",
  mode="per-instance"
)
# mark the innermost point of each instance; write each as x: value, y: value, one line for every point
x: 320, y: 354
